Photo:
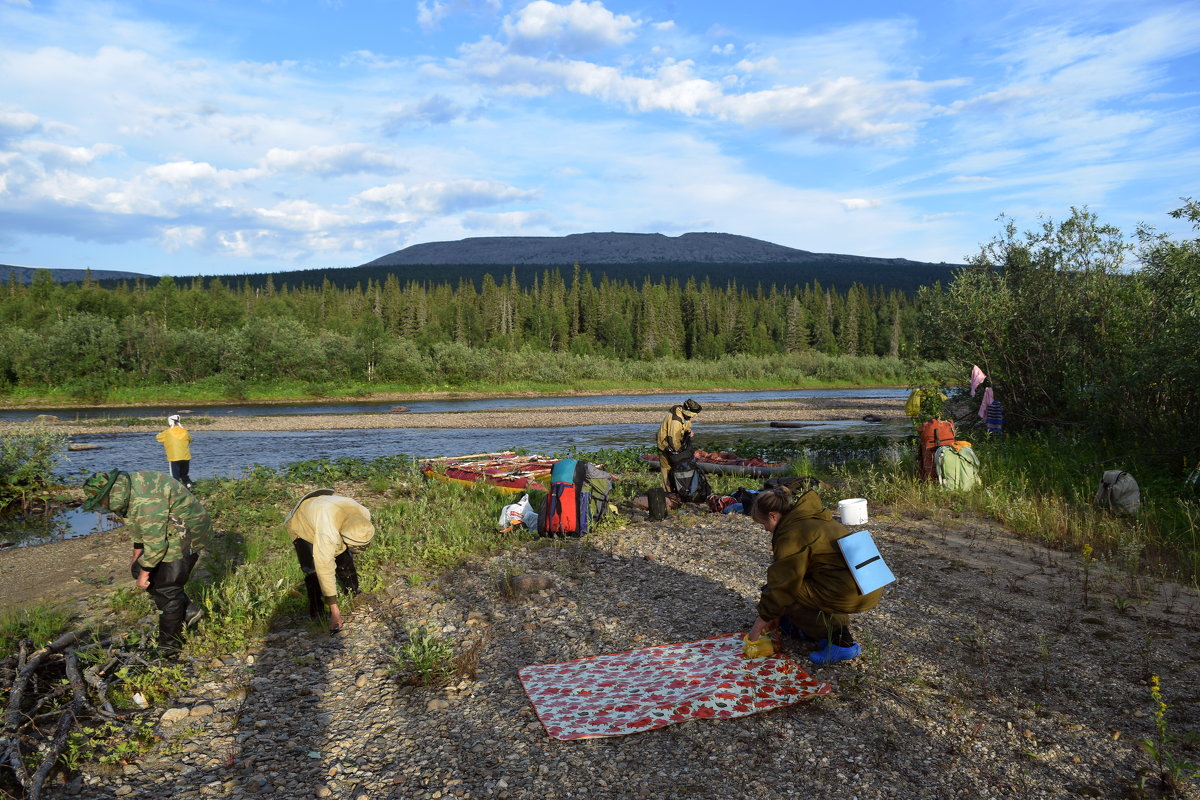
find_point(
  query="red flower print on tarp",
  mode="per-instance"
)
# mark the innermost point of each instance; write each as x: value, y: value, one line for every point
x: 649, y: 688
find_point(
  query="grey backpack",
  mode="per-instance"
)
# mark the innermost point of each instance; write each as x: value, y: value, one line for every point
x: 1119, y: 492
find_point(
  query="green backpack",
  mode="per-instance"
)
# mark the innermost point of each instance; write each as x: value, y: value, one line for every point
x: 957, y: 469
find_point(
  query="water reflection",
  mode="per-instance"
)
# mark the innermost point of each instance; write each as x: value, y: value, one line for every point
x: 59, y: 524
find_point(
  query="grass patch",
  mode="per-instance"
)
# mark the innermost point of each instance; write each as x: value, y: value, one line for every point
x: 40, y: 624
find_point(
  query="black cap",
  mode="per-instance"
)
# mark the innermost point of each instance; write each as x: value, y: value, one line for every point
x: 691, y: 405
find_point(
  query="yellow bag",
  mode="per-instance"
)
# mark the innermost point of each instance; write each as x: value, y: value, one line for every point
x: 759, y: 648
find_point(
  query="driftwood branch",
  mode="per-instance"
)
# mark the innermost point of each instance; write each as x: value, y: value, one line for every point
x: 65, y: 724
x: 37, y: 695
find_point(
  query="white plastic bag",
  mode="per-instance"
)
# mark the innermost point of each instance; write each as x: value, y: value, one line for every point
x: 519, y: 513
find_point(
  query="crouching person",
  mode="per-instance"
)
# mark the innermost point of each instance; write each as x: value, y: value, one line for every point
x: 169, y: 528
x: 326, y: 529
x: 810, y: 591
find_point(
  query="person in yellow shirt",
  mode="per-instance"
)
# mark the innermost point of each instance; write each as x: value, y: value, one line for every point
x: 177, y: 442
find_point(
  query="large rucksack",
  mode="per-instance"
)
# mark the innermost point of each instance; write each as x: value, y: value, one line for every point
x: 577, y: 499
x: 1119, y: 492
x: 957, y: 466
x: 594, y: 485
x: 933, y: 434
x: 685, y: 476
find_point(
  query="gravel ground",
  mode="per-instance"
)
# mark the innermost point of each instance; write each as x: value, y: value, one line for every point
x: 983, y: 676
x: 542, y: 417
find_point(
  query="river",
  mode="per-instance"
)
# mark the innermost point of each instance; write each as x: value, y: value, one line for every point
x: 228, y: 453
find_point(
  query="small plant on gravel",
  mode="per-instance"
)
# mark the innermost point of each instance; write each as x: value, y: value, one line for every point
x: 109, y: 742
x: 1174, y: 772
x: 156, y: 682
x: 1087, y: 572
x: 429, y: 657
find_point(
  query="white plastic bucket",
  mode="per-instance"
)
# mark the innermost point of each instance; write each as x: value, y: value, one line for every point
x: 853, y: 511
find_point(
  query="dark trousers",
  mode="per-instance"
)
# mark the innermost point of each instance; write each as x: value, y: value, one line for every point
x: 179, y: 471
x: 167, y: 580
x: 344, y: 569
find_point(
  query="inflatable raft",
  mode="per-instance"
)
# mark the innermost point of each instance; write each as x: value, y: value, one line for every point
x: 730, y: 464
x: 507, y: 471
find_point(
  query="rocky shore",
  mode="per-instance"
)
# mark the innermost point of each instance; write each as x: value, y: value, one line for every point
x: 536, y: 417
x: 984, y: 675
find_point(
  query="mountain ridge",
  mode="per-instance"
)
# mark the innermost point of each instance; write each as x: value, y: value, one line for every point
x: 589, y: 249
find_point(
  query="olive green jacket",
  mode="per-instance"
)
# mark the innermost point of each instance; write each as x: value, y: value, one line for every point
x: 160, y: 515
x: 809, y: 570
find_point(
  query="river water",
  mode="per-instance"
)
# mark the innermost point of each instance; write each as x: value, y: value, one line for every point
x: 228, y: 453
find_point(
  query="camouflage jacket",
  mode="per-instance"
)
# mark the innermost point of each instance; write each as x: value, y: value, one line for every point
x: 160, y: 514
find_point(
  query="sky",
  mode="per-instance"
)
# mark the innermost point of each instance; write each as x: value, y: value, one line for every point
x: 222, y: 137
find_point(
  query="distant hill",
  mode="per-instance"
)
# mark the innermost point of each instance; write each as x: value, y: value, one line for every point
x: 25, y: 274
x: 591, y: 249
x: 719, y: 257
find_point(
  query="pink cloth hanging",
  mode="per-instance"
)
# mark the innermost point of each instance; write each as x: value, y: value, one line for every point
x: 977, y: 377
x: 987, y: 401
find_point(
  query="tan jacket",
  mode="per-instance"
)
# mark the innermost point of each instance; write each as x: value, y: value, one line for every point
x: 673, y: 429
x: 175, y: 440
x: 809, y: 569
x: 331, y: 523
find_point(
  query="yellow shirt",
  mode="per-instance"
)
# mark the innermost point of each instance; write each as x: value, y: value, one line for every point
x: 175, y: 441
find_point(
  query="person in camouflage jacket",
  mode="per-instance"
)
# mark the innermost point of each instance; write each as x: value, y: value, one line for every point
x: 169, y: 528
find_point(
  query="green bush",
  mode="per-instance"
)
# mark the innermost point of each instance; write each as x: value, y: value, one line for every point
x: 28, y: 457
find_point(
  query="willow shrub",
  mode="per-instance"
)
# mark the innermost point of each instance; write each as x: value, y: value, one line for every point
x: 28, y: 457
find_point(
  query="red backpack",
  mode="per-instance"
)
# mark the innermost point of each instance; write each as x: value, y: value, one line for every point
x: 931, y: 436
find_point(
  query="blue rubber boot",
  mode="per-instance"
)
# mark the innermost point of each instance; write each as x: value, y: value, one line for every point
x: 832, y: 653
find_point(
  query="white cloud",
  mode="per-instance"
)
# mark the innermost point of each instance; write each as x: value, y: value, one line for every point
x: 54, y: 156
x: 17, y: 123
x: 508, y: 222
x: 858, y: 203
x: 332, y: 160
x: 578, y: 27
x: 441, y: 197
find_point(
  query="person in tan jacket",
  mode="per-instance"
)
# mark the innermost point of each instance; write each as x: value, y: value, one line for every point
x: 177, y: 442
x: 326, y: 529
x: 674, y: 434
x: 810, y: 591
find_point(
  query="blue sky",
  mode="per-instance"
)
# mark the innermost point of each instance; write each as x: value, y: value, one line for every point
x: 213, y: 137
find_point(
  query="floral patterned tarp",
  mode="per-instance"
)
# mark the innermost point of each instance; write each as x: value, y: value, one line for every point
x: 653, y: 687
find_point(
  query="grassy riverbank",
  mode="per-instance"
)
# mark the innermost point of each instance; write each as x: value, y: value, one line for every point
x: 483, y: 372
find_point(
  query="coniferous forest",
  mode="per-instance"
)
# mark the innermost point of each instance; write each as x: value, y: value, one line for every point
x: 91, y: 339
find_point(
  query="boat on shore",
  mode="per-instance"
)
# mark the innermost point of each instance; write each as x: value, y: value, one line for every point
x: 507, y: 471
x: 731, y: 464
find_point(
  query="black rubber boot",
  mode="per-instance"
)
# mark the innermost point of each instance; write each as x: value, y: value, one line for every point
x: 347, y: 573
x: 167, y: 580
x: 312, y: 586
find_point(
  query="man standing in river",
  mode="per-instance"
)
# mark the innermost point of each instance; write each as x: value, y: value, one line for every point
x: 169, y: 528
x: 176, y: 441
